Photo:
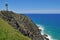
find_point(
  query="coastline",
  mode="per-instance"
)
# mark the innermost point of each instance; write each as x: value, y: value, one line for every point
x: 42, y: 32
x: 50, y: 24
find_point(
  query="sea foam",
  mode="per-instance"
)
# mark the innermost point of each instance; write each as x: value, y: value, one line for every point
x: 42, y: 32
x: 41, y: 27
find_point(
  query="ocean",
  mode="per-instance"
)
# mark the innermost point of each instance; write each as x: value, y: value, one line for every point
x: 49, y: 23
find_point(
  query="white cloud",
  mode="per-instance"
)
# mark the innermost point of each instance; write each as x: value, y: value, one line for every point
x: 39, y: 11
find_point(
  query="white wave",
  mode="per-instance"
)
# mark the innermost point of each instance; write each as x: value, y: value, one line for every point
x: 41, y: 27
x: 50, y: 37
x: 42, y: 32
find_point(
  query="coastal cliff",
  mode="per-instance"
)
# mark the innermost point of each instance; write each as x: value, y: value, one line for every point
x: 23, y: 24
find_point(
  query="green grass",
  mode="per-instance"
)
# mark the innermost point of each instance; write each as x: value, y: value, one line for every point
x: 9, y: 33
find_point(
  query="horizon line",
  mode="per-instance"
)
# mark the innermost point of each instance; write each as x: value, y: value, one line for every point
x: 36, y: 11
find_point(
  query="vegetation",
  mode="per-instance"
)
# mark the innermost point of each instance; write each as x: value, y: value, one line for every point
x: 18, y: 27
x: 9, y: 33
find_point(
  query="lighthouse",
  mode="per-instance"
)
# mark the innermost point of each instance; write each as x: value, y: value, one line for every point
x: 6, y: 6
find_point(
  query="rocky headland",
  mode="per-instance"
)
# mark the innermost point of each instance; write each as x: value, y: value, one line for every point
x: 23, y: 24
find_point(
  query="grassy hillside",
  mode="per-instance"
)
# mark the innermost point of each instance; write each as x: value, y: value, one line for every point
x: 8, y: 33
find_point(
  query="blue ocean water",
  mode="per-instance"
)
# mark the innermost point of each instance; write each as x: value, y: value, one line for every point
x: 50, y: 22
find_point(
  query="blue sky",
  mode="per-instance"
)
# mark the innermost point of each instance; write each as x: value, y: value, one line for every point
x: 32, y: 6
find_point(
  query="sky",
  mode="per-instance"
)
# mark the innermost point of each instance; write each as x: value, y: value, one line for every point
x: 32, y: 6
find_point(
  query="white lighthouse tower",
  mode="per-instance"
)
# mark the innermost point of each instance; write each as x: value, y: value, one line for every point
x: 6, y: 6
